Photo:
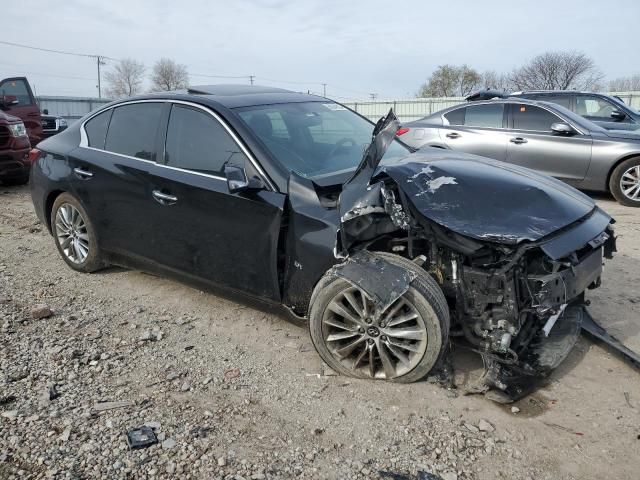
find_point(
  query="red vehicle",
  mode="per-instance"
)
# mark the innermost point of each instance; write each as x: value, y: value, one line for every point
x: 20, y: 128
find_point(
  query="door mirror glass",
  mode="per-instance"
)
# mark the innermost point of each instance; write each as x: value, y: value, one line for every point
x: 9, y: 100
x: 237, y: 180
x: 618, y: 115
x: 562, y: 128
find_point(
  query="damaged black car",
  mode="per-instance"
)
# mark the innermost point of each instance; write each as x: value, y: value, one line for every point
x: 388, y: 254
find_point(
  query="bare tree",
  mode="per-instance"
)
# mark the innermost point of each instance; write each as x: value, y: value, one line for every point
x: 169, y: 75
x: 558, y: 71
x: 625, y: 84
x: 496, y: 81
x: 125, y: 79
x: 450, y: 81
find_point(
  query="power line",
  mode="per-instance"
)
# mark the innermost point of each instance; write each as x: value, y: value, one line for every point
x: 62, y: 52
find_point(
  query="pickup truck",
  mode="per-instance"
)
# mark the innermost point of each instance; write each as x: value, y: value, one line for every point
x: 20, y: 128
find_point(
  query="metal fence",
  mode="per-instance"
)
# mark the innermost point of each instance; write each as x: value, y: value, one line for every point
x: 412, y: 109
x: 70, y: 108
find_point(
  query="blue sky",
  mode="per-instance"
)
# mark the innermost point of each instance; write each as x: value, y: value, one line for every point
x: 356, y: 47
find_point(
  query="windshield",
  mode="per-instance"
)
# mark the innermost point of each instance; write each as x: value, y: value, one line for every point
x: 314, y: 138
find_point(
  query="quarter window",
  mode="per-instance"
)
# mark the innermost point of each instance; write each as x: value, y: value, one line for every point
x: 96, y: 129
x: 528, y: 117
x: 196, y: 141
x: 133, y: 130
x: 455, y: 117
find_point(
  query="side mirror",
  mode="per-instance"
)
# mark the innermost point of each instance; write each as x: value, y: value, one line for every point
x: 618, y: 115
x: 562, y: 128
x: 9, y: 100
x: 237, y: 180
x: 45, y: 111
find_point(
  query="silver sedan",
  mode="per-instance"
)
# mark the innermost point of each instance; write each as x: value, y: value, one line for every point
x: 539, y: 135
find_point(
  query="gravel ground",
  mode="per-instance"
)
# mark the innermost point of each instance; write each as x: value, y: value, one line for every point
x: 238, y: 392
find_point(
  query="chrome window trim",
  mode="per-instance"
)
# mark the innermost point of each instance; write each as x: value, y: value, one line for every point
x: 84, y: 140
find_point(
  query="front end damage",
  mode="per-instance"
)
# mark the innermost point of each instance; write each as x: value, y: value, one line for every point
x: 513, y: 252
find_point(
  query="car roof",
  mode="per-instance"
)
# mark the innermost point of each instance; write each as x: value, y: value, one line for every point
x: 236, y: 96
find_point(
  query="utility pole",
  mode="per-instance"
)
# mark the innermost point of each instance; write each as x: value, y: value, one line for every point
x: 99, y: 62
x: 251, y: 77
x: 324, y: 89
x: 373, y: 96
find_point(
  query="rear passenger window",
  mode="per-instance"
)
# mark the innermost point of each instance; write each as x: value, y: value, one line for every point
x: 133, y: 130
x: 196, y: 141
x: 455, y: 117
x: 96, y: 129
x: 488, y: 116
x: 528, y: 117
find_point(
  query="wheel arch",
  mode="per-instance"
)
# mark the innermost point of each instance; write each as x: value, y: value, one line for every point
x: 48, y: 205
x: 615, y: 165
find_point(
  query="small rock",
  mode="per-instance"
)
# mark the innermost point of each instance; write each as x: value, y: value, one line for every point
x: 471, y: 428
x: 231, y: 373
x: 222, y: 462
x: 450, y: 476
x: 41, y: 311
x: 10, y: 414
x: 153, y: 425
x: 515, y: 410
x: 168, y: 443
x: 485, y: 426
x: 146, y: 336
x: 186, y: 386
x: 64, y: 437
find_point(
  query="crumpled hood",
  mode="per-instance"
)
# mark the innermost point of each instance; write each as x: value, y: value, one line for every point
x: 486, y: 199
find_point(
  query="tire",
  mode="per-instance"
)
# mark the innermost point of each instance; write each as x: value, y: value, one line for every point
x: 82, y: 233
x: 10, y: 182
x: 424, y: 298
x: 624, y: 175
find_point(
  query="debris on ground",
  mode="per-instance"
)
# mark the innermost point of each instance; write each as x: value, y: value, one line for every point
x: 142, y: 437
x: 231, y: 373
x: 41, y: 311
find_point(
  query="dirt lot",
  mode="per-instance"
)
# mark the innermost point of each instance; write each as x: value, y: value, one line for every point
x: 169, y: 353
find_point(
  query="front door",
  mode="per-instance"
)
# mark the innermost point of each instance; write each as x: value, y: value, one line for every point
x: 532, y: 144
x: 201, y: 229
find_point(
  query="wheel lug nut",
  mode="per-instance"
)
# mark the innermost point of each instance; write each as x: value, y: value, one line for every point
x: 368, y: 320
x: 361, y: 330
x: 371, y: 341
x: 383, y: 337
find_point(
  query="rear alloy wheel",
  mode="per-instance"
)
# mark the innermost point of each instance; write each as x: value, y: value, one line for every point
x: 625, y: 183
x: 74, y: 235
x: 401, y: 343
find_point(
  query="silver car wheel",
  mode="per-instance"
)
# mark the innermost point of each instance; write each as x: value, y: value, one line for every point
x: 630, y: 183
x: 71, y: 233
x: 377, y: 344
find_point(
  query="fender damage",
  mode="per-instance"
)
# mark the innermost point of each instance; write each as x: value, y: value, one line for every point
x: 513, y: 251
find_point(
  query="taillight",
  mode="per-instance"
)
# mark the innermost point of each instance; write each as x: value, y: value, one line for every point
x: 402, y: 131
x: 34, y: 155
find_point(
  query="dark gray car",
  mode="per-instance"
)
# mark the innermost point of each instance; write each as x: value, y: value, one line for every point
x: 539, y: 135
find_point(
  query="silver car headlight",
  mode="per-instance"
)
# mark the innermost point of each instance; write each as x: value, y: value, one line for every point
x: 18, y: 130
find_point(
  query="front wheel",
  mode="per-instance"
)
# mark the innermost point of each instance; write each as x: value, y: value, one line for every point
x: 402, y: 343
x: 74, y: 235
x: 625, y: 182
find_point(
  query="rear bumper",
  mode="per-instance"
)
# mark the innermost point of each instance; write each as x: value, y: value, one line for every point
x: 14, y: 163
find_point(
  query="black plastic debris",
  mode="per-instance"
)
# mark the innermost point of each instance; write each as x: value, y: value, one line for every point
x: 142, y: 437
x: 590, y: 326
x: 401, y: 476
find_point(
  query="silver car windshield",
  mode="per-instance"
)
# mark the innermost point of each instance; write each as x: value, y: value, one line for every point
x: 314, y: 139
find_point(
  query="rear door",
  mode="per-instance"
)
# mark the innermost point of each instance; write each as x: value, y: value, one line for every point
x: 26, y: 109
x: 199, y: 227
x: 113, y: 174
x: 532, y: 144
x: 478, y: 129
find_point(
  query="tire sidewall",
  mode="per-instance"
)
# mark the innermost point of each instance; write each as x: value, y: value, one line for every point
x: 92, y: 262
x: 614, y: 182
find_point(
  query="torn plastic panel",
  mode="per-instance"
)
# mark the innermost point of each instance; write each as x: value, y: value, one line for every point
x: 382, y: 281
x: 590, y: 326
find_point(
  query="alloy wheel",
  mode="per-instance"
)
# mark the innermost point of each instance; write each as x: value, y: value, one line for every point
x: 630, y: 183
x: 71, y: 233
x: 372, y: 342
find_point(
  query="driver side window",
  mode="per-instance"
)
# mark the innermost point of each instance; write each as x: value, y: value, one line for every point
x: 594, y: 107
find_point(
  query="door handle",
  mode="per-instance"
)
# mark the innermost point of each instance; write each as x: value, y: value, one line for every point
x: 452, y: 135
x: 82, y: 173
x: 518, y: 140
x: 164, y: 198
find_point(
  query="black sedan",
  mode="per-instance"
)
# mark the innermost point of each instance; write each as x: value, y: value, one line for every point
x: 385, y: 253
